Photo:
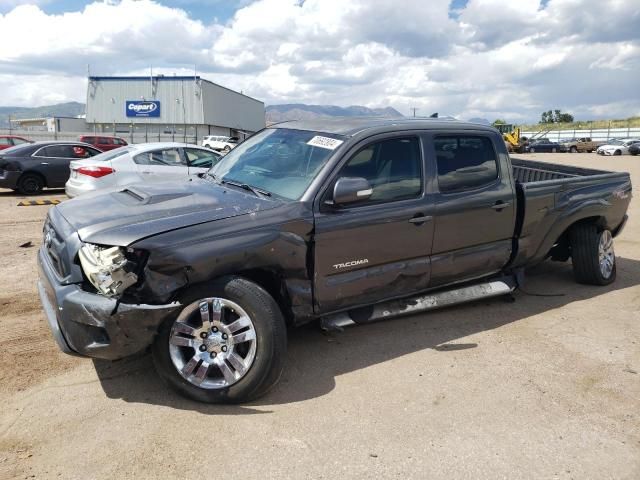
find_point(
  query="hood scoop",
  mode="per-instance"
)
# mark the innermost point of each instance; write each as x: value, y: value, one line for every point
x: 136, y: 196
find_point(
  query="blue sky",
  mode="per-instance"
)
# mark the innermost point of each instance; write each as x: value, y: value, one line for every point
x: 466, y: 58
x: 207, y: 10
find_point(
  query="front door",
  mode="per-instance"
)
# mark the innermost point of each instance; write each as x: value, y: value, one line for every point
x: 475, y: 208
x: 379, y: 248
x: 200, y: 160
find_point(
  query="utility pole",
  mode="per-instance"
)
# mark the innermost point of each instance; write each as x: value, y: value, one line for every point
x: 414, y: 110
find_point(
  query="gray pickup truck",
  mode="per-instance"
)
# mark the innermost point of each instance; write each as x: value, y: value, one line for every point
x: 344, y: 222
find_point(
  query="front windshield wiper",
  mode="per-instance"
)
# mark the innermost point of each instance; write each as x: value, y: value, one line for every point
x: 256, y: 191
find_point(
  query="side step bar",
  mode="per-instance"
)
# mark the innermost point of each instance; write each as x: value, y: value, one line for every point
x: 420, y: 303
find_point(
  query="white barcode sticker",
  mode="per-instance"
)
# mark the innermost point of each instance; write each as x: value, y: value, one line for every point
x: 325, y: 142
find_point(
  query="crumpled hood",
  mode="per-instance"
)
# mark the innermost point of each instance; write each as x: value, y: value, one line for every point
x: 124, y: 215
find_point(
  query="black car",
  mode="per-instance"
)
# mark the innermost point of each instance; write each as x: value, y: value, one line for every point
x: 634, y: 149
x: 29, y: 168
x: 544, y: 145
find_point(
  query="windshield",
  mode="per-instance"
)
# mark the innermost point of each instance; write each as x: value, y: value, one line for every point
x: 279, y: 161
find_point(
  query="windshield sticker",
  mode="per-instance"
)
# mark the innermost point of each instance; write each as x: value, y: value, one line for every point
x: 325, y: 142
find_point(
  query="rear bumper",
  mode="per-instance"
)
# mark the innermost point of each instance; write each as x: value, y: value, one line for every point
x: 83, y: 323
x: 9, y: 179
x: 73, y: 189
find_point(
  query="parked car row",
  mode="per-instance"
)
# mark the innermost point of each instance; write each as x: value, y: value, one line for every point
x: 613, y: 146
x: 81, y: 167
x: 618, y: 146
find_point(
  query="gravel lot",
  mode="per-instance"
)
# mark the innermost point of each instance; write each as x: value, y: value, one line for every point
x: 545, y: 387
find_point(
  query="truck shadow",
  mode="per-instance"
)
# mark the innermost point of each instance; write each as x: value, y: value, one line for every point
x: 316, y: 358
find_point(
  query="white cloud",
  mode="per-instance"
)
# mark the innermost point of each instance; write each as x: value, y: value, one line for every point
x: 491, y: 58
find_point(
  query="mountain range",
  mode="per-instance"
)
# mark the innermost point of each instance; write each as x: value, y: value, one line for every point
x: 273, y: 113
x: 301, y: 111
x: 69, y: 109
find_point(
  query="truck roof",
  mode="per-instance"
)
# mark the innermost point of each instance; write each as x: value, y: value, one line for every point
x: 349, y: 126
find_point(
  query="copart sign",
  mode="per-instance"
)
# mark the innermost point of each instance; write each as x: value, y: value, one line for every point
x: 143, y: 108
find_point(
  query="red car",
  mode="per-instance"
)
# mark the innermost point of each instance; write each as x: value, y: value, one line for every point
x: 103, y: 143
x: 8, y: 141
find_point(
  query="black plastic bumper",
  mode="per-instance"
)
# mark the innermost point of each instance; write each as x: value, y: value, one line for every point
x: 82, y: 322
x: 9, y: 179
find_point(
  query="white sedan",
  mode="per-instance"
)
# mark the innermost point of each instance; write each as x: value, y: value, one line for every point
x: 146, y: 162
x: 219, y: 143
x: 617, y: 147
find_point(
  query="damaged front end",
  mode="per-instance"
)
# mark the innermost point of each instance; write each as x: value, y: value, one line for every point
x: 90, y: 295
x: 108, y: 269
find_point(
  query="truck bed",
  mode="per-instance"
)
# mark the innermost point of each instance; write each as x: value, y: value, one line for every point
x: 548, y: 195
x: 527, y: 171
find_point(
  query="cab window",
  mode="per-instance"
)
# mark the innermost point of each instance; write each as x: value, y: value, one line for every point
x: 392, y: 167
x: 465, y: 162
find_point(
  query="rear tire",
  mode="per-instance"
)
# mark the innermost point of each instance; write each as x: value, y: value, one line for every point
x: 593, y: 257
x: 263, y: 357
x: 30, y: 184
x: 532, y: 150
x: 573, y: 150
x: 617, y: 152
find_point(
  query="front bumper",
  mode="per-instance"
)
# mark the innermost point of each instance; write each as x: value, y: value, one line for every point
x: 9, y: 179
x: 83, y: 323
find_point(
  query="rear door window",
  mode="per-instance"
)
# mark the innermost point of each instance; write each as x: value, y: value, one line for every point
x: 465, y: 162
x: 168, y: 157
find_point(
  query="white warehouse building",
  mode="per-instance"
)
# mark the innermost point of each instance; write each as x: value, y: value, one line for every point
x: 169, y: 107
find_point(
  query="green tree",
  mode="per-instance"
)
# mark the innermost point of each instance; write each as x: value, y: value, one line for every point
x: 555, y: 116
x: 498, y: 121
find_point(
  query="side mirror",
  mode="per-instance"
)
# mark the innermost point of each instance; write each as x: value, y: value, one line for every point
x: 350, y: 190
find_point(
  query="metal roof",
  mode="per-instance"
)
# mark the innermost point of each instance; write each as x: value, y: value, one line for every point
x: 349, y: 126
x: 167, y: 78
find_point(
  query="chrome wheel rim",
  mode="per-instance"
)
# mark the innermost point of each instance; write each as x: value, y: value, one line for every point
x: 213, y: 344
x: 606, y: 255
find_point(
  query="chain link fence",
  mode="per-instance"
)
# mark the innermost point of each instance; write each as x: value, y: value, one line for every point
x: 131, y: 137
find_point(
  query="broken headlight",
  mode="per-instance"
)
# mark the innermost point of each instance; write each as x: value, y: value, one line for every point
x: 107, y: 268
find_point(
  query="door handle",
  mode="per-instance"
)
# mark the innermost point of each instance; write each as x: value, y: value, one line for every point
x: 420, y: 219
x: 500, y: 205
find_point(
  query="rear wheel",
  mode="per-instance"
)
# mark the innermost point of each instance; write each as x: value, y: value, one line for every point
x: 227, y: 148
x: 532, y: 150
x: 573, y: 150
x: 553, y: 150
x: 617, y: 152
x: 593, y: 256
x: 30, y: 184
x: 228, y: 344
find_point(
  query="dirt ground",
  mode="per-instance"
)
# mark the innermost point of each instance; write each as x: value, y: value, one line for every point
x: 545, y: 387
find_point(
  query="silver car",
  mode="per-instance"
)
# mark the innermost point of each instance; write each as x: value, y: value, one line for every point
x: 146, y: 162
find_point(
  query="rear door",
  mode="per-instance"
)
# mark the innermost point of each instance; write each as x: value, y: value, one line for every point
x: 162, y: 164
x: 54, y: 163
x: 379, y: 248
x: 474, y: 209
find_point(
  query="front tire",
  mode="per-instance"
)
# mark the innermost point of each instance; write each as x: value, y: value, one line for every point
x: 573, y: 150
x: 617, y: 152
x: 228, y: 345
x: 593, y: 257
